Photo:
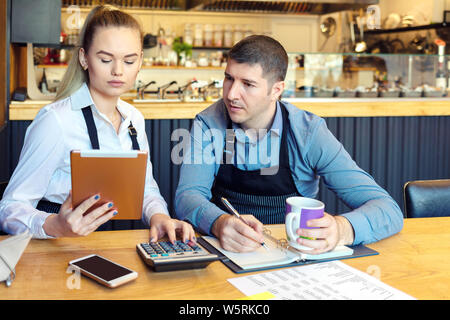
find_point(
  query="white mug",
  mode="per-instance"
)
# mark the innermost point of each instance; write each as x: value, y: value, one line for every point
x: 298, y: 211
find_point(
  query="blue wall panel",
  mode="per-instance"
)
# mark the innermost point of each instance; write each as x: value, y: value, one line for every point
x: 393, y: 150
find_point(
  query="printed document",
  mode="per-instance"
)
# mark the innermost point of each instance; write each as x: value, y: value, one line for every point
x: 322, y: 281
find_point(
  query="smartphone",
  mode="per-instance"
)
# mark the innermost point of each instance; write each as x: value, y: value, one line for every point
x: 103, y: 270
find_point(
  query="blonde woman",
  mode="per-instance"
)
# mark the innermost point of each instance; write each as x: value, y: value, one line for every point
x: 87, y: 114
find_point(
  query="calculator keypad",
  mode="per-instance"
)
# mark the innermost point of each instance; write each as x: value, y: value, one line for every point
x: 166, y: 249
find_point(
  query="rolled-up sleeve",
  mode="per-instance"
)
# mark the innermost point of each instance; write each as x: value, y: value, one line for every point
x: 193, y: 195
x: 375, y: 214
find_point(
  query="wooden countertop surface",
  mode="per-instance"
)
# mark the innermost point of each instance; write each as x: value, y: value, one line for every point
x: 324, y: 107
x: 414, y: 261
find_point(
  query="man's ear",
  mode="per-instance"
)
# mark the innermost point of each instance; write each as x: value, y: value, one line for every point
x: 277, y: 90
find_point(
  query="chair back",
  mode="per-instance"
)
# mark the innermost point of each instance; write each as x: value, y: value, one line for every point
x: 427, y: 198
x: 3, y: 185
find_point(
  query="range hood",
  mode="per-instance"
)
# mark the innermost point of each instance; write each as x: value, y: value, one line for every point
x: 314, y: 7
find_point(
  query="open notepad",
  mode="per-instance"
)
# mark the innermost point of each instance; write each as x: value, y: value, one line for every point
x: 278, y: 255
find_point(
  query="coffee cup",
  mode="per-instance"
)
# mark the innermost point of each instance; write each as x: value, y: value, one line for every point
x: 298, y: 211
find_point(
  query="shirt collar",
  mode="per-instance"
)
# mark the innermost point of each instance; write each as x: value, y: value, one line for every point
x: 82, y: 98
x: 276, y: 128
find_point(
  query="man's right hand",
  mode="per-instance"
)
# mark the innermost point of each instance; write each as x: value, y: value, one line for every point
x: 71, y: 222
x: 236, y: 236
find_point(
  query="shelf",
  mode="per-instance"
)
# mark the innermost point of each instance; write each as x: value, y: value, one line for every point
x: 323, y: 107
x: 182, y: 68
x: 406, y: 29
x: 211, y: 48
x: 62, y: 65
x: 56, y: 65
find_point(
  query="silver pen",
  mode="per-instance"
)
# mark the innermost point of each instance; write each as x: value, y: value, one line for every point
x: 233, y: 211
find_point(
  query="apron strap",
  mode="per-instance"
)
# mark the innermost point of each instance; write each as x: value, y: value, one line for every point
x: 133, y: 135
x: 92, y: 130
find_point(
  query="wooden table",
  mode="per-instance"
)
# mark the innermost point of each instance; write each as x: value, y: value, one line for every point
x: 415, y: 261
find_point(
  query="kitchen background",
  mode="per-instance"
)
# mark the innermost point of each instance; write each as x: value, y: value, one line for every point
x: 212, y: 30
x: 400, y: 60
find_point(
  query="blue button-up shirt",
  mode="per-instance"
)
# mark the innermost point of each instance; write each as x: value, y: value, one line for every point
x: 314, y: 153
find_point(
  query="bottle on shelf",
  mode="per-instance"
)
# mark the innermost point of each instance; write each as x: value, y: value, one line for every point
x: 43, y: 85
x: 441, y: 77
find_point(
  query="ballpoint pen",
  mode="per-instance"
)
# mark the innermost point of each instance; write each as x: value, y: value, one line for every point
x: 232, y: 210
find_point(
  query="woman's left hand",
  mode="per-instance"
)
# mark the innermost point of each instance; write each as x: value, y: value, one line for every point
x: 161, y: 224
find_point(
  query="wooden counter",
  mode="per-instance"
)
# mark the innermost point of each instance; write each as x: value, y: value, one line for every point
x: 414, y: 261
x: 324, y: 107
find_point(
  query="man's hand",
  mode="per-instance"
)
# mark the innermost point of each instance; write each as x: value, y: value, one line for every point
x: 236, y: 236
x: 331, y: 231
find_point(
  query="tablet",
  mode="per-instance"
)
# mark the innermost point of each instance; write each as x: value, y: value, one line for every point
x: 118, y: 176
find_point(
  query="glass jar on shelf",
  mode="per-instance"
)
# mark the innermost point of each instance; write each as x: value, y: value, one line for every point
x: 218, y: 35
x: 202, y: 60
x: 228, y: 36
x: 208, y: 35
x: 237, y: 35
x: 216, y: 59
x: 248, y: 31
x: 198, y: 35
x: 188, y: 34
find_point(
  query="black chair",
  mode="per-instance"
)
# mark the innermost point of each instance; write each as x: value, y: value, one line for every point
x: 3, y: 186
x: 427, y: 198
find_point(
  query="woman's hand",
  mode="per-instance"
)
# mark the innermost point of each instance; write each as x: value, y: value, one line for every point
x: 161, y: 224
x: 71, y: 222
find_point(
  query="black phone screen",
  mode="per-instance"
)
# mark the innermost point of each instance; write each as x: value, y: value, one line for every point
x: 102, y: 268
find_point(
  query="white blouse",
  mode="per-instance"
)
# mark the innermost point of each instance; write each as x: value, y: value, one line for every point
x: 43, y: 170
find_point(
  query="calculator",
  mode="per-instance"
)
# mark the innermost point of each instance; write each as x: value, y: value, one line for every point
x: 165, y: 256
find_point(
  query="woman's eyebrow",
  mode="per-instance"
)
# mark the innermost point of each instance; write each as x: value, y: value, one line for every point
x: 111, y: 55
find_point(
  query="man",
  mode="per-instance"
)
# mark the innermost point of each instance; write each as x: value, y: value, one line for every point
x: 305, y: 151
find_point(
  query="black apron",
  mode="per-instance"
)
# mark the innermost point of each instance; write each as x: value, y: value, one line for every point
x: 52, y: 207
x: 251, y: 192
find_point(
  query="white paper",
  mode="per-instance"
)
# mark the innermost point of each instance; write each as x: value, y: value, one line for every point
x: 11, y: 250
x: 321, y: 281
x: 259, y: 258
x: 274, y: 255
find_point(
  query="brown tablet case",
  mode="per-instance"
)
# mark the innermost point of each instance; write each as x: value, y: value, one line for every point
x: 117, y: 177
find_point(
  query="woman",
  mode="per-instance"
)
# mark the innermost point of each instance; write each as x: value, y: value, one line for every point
x: 86, y: 114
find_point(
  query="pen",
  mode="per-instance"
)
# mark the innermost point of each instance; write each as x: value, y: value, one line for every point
x: 237, y: 215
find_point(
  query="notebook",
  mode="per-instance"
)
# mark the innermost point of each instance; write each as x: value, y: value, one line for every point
x: 11, y: 250
x: 278, y: 255
x: 118, y: 176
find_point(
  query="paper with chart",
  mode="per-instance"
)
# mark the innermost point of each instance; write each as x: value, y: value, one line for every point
x: 327, y: 281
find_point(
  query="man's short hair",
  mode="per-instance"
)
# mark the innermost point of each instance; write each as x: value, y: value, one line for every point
x: 265, y: 51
